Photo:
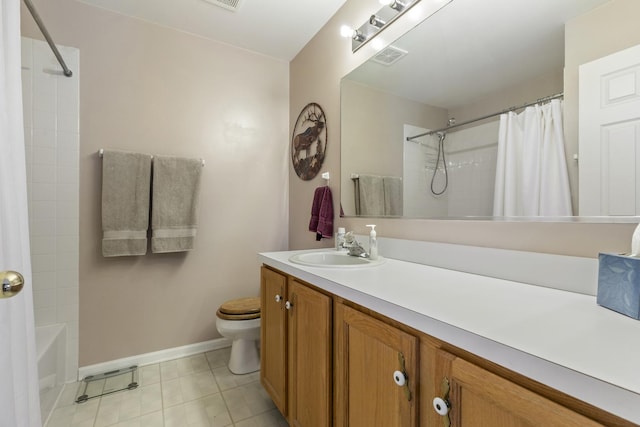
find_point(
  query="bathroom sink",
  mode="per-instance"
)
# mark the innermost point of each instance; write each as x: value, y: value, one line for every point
x: 333, y: 259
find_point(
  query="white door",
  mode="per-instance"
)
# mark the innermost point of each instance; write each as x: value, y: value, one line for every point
x: 19, y: 399
x: 609, y: 135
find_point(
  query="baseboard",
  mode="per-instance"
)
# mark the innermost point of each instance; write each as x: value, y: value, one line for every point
x: 154, y: 357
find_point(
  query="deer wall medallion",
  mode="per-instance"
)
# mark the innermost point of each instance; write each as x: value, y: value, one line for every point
x: 309, y: 141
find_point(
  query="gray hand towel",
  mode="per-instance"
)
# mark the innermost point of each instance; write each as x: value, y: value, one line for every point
x: 126, y: 179
x: 371, y: 195
x: 392, y: 195
x: 174, y: 212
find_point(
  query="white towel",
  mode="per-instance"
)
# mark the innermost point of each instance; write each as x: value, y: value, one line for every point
x: 126, y: 179
x: 174, y: 212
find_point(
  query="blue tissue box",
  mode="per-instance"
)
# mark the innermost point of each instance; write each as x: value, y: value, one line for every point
x: 619, y: 284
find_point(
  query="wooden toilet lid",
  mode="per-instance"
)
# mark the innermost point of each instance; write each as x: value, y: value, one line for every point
x: 240, y: 309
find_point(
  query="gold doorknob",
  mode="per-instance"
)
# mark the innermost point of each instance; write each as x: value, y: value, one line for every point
x: 12, y: 283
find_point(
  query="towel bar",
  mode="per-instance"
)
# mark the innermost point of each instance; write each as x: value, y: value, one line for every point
x: 101, y: 153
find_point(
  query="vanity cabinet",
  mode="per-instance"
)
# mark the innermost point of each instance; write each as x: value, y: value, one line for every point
x: 468, y: 395
x: 327, y: 361
x: 296, y: 350
x: 376, y: 372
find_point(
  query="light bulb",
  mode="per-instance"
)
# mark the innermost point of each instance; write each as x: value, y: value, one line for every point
x: 346, y: 31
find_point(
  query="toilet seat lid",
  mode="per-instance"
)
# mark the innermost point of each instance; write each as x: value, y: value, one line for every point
x: 240, y: 309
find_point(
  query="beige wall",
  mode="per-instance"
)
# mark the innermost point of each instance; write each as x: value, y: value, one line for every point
x: 528, y: 91
x: 149, y: 89
x: 326, y: 59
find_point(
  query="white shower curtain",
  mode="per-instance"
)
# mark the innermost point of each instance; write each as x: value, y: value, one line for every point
x: 19, y: 394
x: 531, y: 172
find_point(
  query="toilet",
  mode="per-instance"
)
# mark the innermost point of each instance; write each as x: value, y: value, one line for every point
x: 239, y: 320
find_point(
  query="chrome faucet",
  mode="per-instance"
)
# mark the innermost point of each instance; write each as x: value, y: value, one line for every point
x: 353, y: 247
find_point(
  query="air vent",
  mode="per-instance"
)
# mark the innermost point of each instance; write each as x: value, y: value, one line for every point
x: 232, y: 5
x: 389, y: 55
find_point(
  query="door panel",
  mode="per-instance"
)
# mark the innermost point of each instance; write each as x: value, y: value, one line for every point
x: 609, y: 135
x: 479, y: 398
x: 371, y: 352
x: 273, y: 357
x: 310, y: 357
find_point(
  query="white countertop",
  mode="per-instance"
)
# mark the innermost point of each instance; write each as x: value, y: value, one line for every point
x: 559, y: 338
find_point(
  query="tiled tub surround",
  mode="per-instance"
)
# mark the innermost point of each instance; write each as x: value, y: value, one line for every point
x: 556, y: 335
x: 51, y: 346
x: 51, y: 115
x: 471, y: 168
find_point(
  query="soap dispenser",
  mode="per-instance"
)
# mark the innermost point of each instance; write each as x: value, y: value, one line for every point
x: 373, y: 243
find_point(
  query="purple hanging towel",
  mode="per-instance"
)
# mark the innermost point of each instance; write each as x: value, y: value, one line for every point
x: 321, y: 221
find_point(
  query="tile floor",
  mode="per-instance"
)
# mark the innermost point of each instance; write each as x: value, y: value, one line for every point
x: 194, y: 391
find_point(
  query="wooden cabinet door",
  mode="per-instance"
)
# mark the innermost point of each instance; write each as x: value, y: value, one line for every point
x: 368, y: 353
x: 310, y: 356
x: 480, y: 398
x: 273, y: 356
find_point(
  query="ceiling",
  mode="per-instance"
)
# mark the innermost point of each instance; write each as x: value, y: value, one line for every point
x: 278, y: 29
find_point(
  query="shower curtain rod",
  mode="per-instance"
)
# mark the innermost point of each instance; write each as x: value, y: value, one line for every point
x: 67, y: 72
x: 529, y: 104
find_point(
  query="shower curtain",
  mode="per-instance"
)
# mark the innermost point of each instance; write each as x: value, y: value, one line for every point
x: 531, y: 172
x: 19, y: 394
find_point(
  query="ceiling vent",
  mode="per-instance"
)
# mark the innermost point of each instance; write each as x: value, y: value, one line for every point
x: 389, y: 55
x: 232, y: 5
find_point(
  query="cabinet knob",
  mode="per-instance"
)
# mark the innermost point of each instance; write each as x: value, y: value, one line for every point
x: 278, y: 298
x: 441, y: 406
x: 400, y: 378
x: 288, y: 305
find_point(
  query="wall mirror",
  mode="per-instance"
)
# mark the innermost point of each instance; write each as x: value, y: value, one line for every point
x: 469, y: 60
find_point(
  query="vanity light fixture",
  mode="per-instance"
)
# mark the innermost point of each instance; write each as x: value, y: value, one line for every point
x: 358, y: 36
x: 391, y: 11
x: 394, y: 4
x: 376, y: 22
x: 346, y: 31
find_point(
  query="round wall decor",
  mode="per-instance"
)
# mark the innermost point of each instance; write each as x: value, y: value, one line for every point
x: 309, y: 141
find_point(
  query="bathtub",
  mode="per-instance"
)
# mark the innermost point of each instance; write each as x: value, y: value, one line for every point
x: 51, y: 348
